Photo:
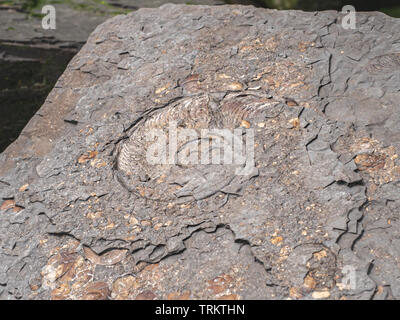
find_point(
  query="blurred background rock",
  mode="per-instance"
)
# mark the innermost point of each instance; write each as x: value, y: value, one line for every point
x: 32, y: 59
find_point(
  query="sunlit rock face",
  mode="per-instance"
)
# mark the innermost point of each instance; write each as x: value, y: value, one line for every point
x: 84, y: 214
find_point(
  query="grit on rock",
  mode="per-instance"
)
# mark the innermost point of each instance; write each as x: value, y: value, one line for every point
x: 318, y: 218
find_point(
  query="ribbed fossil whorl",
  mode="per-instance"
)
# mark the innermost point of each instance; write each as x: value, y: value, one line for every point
x: 191, y: 113
x: 195, y: 113
x: 385, y: 63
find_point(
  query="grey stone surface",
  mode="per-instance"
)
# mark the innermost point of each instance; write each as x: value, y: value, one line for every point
x: 318, y: 220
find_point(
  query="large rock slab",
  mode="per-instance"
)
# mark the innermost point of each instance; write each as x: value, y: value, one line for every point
x: 84, y: 216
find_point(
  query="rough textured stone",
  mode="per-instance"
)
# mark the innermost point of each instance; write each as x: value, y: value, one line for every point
x: 321, y: 207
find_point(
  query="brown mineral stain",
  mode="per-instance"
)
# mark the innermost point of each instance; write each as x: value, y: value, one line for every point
x: 151, y: 267
x: 220, y: 283
x: 17, y: 209
x: 23, y: 188
x: 35, y: 284
x: 157, y: 226
x: 295, y: 293
x: 245, y: 124
x: 235, y: 86
x: 96, y: 291
x: 222, y: 76
x: 320, y: 254
x: 178, y: 296
x: 133, y: 221
x: 144, y: 192
x: 94, y: 215
x: 291, y: 102
x: 146, y: 295
x: 309, y: 282
x: 98, y: 163
x: 61, y: 292
x: 145, y: 223
x: 276, y: 240
x: 43, y: 241
x: 161, y: 179
x: 86, y: 157
x: 162, y: 89
x: 216, y: 289
x: 295, y: 122
x: 10, y: 204
x: 130, y: 238
x: 304, y: 45
x: 370, y: 161
x: 110, y: 225
x: 190, y: 78
x: 380, y: 290
x: 323, y: 294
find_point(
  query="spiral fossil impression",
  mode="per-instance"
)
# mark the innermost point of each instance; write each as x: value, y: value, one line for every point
x: 196, y: 113
x: 384, y: 63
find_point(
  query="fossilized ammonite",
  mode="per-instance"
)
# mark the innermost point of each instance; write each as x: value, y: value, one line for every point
x: 204, y: 143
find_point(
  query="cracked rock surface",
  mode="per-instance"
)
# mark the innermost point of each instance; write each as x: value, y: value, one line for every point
x: 317, y: 218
